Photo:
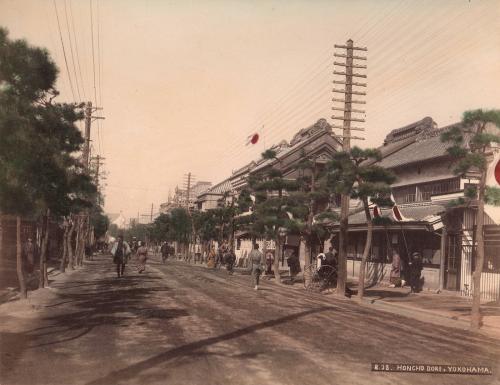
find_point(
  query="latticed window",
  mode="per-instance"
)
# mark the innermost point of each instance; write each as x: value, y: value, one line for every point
x: 423, y: 192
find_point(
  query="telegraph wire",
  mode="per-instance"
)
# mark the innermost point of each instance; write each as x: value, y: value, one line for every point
x: 64, y: 52
x: 443, y: 60
x: 99, y: 61
x: 94, y: 71
x: 77, y: 50
x: 288, y: 95
x: 71, y: 50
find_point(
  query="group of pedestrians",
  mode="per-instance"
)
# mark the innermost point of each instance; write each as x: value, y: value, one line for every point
x: 122, y: 252
x: 224, y: 256
x: 409, y: 271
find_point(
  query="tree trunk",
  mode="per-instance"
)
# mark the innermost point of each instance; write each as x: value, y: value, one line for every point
x: 476, y: 276
x: 277, y: 259
x: 43, y: 253
x: 69, y: 241
x: 83, y: 240
x: 366, y: 251
x: 19, y: 260
x: 342, y: 255
x: 78, y: 226
x: 62, y: 267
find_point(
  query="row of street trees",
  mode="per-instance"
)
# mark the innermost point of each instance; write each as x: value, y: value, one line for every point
x: 41, y: 175
x: 305, y: 205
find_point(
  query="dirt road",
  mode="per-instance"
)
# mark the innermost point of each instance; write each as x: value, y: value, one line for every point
x: 184, y: 324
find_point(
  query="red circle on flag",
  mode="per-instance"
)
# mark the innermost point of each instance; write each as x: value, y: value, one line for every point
x: 497, y: 172
x: 255, y: 138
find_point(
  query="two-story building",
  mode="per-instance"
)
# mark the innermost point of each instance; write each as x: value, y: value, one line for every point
x: 424, y: 218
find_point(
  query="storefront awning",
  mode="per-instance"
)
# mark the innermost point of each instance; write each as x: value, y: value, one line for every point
x: 423, y: 215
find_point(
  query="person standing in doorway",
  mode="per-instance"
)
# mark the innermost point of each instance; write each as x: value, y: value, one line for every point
x: 257, y: 264
x: 120, y: 251
x: 415, y: 272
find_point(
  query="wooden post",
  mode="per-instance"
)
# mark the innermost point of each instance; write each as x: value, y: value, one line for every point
x: 346, y: 146
x: 442, y: 265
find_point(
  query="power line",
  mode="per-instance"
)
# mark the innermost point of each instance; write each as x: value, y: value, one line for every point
x: 71, y: 50
x: 64, y: 52
x: 305, y: 81
x: 76, y: 49
x: 389, y: 42
x: 94, y: 71
x: 99, y: 60
x: 93, y: 54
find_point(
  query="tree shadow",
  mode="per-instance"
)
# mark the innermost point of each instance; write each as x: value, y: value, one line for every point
x: 189, y: 349
x: 383, y: 294
x: 108, y: 301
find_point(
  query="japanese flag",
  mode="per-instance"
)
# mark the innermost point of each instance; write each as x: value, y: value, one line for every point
x: 252, y: 139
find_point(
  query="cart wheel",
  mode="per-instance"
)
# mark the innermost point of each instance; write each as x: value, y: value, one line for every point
x: 327, y: 276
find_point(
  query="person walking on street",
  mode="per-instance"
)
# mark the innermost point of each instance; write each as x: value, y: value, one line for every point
x: 229, y: 259
x: 294, y: 265
x: 257, y: 264
x: 219, y: 259
x: 211, y: 258
x: 269, y: 263
x: 142, y: 255
x: 164, y: 251
x: 120, y: 251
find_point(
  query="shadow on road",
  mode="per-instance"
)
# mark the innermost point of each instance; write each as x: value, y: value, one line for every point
x: 111, y: 301
x: 191, y: 348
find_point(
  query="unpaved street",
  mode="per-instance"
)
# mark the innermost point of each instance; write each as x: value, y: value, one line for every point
x: 183, y: 324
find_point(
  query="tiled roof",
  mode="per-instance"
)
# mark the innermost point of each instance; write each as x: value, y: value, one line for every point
x: 413, y: 212
x: 219, y: 188
x: 423, y: 147
x: 296, y: 144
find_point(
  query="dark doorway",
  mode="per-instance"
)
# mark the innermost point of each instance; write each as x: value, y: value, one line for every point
x: 453, y: 261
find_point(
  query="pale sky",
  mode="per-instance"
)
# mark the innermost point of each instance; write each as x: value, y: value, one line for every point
x: 183, y: 83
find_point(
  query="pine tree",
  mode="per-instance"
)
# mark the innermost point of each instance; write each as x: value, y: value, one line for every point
x: 39, y: 174
x: 480, y: 129
x: 351, y: 174
x: 273, y: 206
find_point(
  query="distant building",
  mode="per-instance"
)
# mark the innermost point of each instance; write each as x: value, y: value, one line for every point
x: 180, y: 197
x: 118, y: 220
x: 315, y: 142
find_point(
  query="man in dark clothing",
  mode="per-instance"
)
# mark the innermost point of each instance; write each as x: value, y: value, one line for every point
x: 229, y: 259
x: 415, y: 267
x: 120, y: 251
x: 331, y: 257
x: 164, y: 251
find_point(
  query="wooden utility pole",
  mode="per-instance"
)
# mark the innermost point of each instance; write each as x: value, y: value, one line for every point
x: 188, y: 195
x: 84, y: 219
x: 347, y: 118
x: 151, y: 212
x: 88, y: 123
x: 188, y: 190
x: 98, y: 162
